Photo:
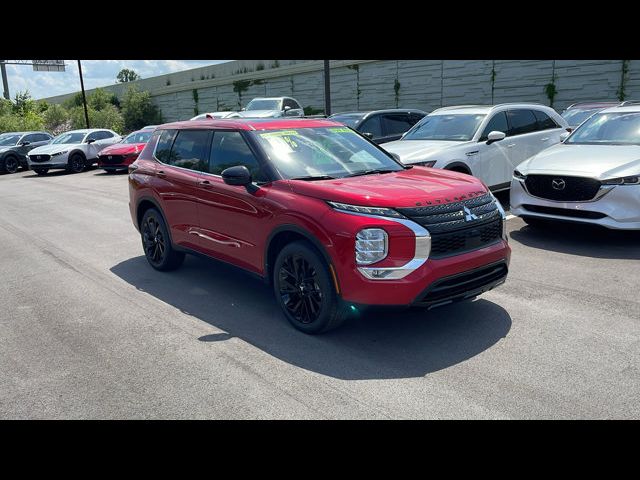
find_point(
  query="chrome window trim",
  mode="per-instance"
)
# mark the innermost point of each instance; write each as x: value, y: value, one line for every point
x: 421, y: 255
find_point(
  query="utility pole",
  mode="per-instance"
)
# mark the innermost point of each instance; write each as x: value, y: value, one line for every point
x: 5, y: 83
x: 327, y: 89
x: 84, y: 97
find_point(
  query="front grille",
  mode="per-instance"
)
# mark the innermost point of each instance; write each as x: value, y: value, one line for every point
x: 112, y: 159
x: 574, y: 189
x: 39, y: 158
x: 565, y: 212
x: 454, y: 230
x: 464, y: 285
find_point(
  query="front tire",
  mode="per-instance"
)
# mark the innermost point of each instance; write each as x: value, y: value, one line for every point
x: 11, y: 164
x: 76, y: 163
x: 156, y: 242
x: 304, y: 289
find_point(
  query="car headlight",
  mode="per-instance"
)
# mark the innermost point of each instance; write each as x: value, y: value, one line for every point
x: 59, y: 153
x: 372, y: 245
x: 519, y: 176
x: 633, y: 180
x: 430, y: 163
x: 383, y: 212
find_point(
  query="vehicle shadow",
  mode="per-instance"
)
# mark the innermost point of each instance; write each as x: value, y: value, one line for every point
x: 580, y: 239
x: 378, y: 344
x: 56, y: 173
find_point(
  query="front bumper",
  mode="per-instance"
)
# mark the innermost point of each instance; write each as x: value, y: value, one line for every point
x: 619, y: 208
x: 414, y: 288
x: 48, y: 165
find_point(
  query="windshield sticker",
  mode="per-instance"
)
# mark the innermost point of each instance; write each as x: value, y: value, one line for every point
x: 279, y: 133
x: 341, y: 130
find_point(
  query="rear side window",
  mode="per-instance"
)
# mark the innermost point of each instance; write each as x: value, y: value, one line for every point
x: 545, y: 122
x: 163, y: 148
x: 522, y: 121
x: 229, y: 150
x: 41, y: 137
x: 396, y: 124
x: 372, y: 125
x: 190, y: 150
x: 497, y: 123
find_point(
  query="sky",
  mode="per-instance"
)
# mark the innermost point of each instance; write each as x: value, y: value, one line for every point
x: 96, y: 73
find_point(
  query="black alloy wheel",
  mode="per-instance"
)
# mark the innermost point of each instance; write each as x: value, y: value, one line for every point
x: 76, y: 164
x: 11, y: 164
x: 157, y: 243
x: 299, y: 289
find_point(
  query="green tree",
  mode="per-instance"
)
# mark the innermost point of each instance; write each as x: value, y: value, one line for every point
x: 75, y: 101
x: 138, y: 110
x: 108, y: 117
x: 125, y: 75
x: 23, y: 103
x: 100, y: 98
x: 6, y: 107
x: 56, y: 119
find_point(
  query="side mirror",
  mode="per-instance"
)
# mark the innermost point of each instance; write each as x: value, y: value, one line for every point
x: 495, y: 136
x: 239, y: 176
x: 564, y: 136
x: 243, y: 109
x: 25, y: 143
x: 287, y: 108
x: 91, y: 140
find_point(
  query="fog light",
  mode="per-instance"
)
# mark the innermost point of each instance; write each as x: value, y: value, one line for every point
x: 371, y: 246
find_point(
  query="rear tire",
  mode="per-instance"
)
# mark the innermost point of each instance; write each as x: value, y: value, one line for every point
x: 156, y: 242
x: 304, y: 289
x: 41, y: 171
x: 76, y: 163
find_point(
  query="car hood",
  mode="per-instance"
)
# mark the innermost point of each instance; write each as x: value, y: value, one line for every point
x: 261, y: 113
x: 406, y: 188
x: 50, y: 149
x: 122, y: 149
x: 596, y: 161
x: 418, y: 150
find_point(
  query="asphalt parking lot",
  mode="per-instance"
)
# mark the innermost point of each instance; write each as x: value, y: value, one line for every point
x: 89, y: 330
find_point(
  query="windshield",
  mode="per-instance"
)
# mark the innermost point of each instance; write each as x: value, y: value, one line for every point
x: 137, y: 137
x: 576, y: 117
x: 330, y: 152
x: 348, y: 120
x: 6, y: 140
x: 69, y: 137
x: 264, y: 105
x: 619, y: 128
x: 459, y: 127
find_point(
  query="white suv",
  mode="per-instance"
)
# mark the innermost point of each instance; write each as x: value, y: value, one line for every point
x: 73, y: 151
x: 485, y: 141
x: 591, y: 177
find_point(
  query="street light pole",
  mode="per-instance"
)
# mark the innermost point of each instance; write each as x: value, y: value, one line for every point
x: 327, y: 89
x: 84, y: 97
x: 5, y: 82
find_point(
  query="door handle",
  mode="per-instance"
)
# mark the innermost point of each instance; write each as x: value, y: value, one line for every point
x: 161, y: 173
x: 544, y: 139
x: 511, y: 145
x: 204, y: 183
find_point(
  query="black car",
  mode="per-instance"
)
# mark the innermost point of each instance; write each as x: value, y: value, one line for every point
x: 14, y: 147
x: 380, y: 125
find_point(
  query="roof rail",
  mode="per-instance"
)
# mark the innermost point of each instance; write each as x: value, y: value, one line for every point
x: 520, y: 103
x: 629, y: 102
x: 454, y: 107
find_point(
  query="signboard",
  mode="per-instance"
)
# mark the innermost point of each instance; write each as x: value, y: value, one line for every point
x: 48, y: 65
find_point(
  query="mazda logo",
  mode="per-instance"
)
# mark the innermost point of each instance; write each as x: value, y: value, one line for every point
x: 558, y: 184
x: 468, y: 216
x: 38, y: 157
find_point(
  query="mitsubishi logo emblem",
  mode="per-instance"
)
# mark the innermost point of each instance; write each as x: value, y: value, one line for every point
x: 558, y: 184
x: 468, y: 216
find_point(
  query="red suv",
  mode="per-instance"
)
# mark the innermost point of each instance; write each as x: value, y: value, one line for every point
x: 318, y: 211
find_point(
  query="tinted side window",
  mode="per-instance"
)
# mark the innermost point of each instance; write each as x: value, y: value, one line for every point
x: 497, y: 123
x: 106, y: 134
x: 522, y: 121
x: 415, y: 118
x: 163, y: 148
x: 92, y: 135
x: 190, y: 150
x: 33, y: 137
x: 372, y: 125
x: 396, y: 124
x: 229, y: 150
x: 41, y: 137
x: 545, y: 122
x: 290, y: 103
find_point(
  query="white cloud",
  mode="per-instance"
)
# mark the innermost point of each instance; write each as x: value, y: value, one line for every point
x: 96, y: 73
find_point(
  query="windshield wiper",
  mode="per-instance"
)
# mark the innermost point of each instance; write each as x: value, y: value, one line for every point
x: 314, y: 177
x: 368, y: 172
